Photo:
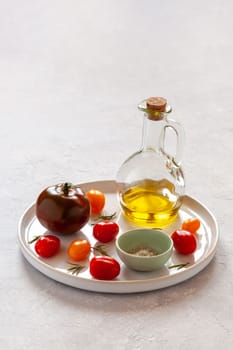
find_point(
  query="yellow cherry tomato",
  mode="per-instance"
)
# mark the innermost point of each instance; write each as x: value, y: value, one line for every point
x: 79, y: 249
x: 97, y: 201
x: 191, y: 225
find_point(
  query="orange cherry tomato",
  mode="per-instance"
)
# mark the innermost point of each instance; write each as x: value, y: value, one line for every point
x: 191, y: 225
x: 79, y: 249
x: 97, y: 201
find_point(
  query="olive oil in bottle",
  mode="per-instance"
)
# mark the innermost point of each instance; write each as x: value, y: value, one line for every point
x: 151, y: 181
x: 147, y: 205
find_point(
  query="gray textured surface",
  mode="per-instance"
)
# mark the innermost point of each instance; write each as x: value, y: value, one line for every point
x: 71, y: 74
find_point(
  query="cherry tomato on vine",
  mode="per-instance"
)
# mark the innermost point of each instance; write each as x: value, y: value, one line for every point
x: 79, y: 249
x: 105, y: 230
x: 184, y: 242
x: 104, y: 268
x: 47, y: 246
x: 191, y: 225
x: 97, y: 201
x: 63, y: 208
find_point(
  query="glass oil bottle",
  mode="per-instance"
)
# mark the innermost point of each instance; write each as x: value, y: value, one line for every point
x: 151, y: 181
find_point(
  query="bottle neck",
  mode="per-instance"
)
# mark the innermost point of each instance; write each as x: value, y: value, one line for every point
x: 151, y: 133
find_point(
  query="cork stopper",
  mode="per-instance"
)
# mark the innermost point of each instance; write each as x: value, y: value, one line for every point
x: 156, y: 104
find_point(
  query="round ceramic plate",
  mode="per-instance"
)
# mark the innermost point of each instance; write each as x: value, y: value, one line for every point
x: 128, y: 281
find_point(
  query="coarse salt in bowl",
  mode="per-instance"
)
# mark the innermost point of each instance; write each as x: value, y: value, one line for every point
x: 144, y: 249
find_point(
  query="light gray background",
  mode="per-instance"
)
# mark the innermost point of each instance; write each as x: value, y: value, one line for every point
x: 71, y: 75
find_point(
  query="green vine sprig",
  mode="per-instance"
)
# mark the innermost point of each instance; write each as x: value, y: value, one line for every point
x: 178, y: 266
x: 75, y: 268
x: 100, y: 248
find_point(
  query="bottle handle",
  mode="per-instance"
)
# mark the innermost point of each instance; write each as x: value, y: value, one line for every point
x: 179, y: 132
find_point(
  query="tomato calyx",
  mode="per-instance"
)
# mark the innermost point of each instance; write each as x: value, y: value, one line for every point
x: 66, y: 188
x: 34, y: 239
x: 107, y: 217
x: 99, y: 218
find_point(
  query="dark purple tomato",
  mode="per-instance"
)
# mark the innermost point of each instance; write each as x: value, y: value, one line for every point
x: 63, y: 208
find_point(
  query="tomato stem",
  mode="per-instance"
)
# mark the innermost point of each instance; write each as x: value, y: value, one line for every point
x: 66, y: 188
x: 34, y: 239
x: 105, y: 217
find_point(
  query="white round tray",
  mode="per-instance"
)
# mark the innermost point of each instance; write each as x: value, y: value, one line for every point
x: 128, y: 281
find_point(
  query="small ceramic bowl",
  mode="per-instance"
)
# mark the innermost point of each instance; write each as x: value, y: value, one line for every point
x: 144, y: 249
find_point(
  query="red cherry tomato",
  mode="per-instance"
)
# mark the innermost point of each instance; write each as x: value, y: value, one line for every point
x: 191, y: 225
x: 184, y: 242
x: 105, y: 230
x: 97, y: 201
x: 104, y: 268
x: 47, y: 246
x: 63, y: 208
x: 79, y: 249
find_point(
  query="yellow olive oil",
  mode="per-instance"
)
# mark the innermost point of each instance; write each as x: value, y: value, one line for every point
x: 151, y: 203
